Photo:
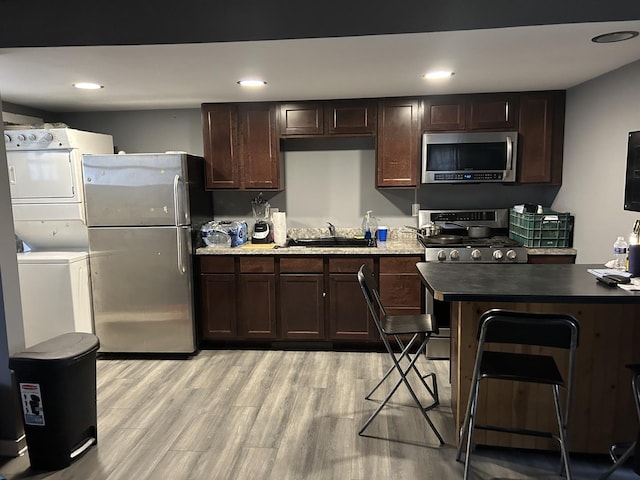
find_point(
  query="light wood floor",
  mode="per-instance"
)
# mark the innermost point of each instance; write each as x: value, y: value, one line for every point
x: 275, y: 415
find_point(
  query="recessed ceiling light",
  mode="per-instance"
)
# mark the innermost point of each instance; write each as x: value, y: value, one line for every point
x: 437, y: 74
x: 88, y: 86
x: 615, y: 37
x: 252, y: 83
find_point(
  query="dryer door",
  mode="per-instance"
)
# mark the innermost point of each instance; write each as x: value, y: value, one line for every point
x: 43, y: 176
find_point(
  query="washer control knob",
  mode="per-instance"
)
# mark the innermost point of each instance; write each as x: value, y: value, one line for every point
x: 47, y: 137
x: 511, y: 254
x: 497, y: 255
x: 442, y: 255
x: 7, y: 138
x: 21, y: 137
x: 32, y: 137
x: 476, y: 254
x: 455, y: 255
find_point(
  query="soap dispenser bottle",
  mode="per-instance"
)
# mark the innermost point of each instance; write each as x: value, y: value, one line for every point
x: 368, y: 225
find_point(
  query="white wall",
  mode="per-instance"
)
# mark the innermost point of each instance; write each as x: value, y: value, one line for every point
x: 599, y: 115
x: 145, y: 131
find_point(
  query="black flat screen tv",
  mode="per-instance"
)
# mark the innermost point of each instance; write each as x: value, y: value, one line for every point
x: 632, y: 183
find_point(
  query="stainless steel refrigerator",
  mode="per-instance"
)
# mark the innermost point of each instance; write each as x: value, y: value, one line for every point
x: 144, y: 213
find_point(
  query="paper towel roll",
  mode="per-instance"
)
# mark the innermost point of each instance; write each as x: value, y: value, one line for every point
x: 279, y: 220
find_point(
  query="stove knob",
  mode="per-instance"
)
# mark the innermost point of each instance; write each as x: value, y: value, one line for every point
x: 455, y: 255
x: 511, y: 254
x: 7, y: 138
x: 475, y: 254
x: 497, y: 255
x: 32, y: 137
x: 21, y: 138
x: 442, y: 255
x: 47, y: 137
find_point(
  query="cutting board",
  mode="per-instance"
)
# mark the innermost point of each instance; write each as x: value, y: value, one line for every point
x: 261, y: 246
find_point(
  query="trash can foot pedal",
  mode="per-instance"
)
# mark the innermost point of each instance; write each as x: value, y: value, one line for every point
x: 78, y: 451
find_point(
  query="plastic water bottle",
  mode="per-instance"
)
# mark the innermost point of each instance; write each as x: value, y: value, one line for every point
x: 620, y: 253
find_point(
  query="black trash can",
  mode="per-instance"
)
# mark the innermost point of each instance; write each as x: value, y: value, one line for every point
x: 57, y: 385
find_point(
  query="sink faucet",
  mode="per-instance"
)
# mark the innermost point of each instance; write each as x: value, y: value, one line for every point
x: 332, y: 229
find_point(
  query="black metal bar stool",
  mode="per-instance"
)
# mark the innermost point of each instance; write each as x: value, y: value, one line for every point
x: 420, y: 327
x: 630, y: 448
x: 531, y: 329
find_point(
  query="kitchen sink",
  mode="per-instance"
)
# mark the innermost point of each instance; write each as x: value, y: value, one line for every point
x: 331, y: 242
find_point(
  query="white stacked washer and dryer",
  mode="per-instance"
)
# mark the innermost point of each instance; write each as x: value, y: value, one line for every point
x: 47, y: 198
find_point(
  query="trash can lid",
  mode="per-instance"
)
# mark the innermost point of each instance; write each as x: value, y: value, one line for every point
x: 65, y: 348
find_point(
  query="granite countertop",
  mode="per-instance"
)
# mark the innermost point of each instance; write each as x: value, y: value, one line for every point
x: 400, y: 242
x: 531, y: 283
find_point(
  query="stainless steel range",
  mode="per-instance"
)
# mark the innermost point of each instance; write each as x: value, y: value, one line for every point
x: 465, y: 236
x: 454, y: 244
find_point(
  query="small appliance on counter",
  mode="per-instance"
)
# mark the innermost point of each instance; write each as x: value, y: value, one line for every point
x: 224, y: 233
x: 262, y: 228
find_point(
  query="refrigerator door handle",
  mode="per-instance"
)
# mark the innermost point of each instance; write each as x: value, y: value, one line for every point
x: 182, y: 269
x: 176, y: 199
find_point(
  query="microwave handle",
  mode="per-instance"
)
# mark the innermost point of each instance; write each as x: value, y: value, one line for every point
x: 509, y: 153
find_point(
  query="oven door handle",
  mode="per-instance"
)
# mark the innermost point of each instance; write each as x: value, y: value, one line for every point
x: 509, y: 153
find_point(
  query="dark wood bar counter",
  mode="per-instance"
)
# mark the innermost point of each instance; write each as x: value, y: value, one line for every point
x: 602, y: 410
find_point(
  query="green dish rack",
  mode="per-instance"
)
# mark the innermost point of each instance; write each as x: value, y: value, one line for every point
x: 548, y: 229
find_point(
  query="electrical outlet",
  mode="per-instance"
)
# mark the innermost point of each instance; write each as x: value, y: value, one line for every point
x: 415, y: 209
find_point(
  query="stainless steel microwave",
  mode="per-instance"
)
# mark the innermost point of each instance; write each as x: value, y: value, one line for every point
x: 469, y: 157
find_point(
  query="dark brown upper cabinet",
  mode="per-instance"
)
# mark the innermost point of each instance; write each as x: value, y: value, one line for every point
x: 242, y: 146
x: 260, y: 159
x: 444, y: 113
x: 302, y: 118
x: 350, y: 117
x: 335, y: 117
x: 541, y: 137
x: 458, y: 113
x: 242, y: 141
x: 220, y: 142
x: 398, y: 142
x: 492, y: 112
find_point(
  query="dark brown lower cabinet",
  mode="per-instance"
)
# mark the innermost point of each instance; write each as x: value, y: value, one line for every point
x: 218, y: 309
x: 218, y: 317
x: 303, y: 298
x: 302, y: 306
x: 257, y: 306
x: 257, y: 298
x: 401, y: 290
x: 349, y: 317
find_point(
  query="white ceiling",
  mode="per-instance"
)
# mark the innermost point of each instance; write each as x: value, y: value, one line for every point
x: 145, y: 77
